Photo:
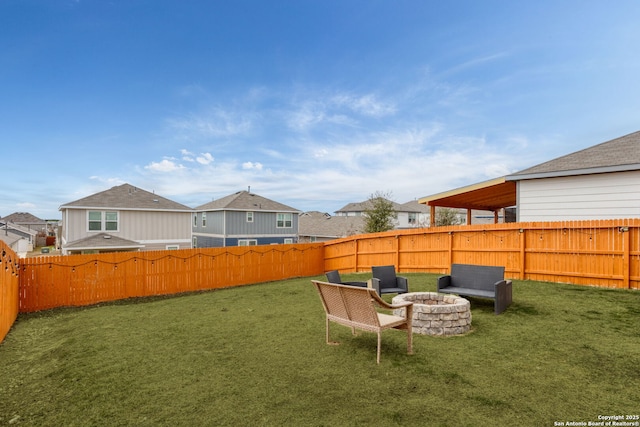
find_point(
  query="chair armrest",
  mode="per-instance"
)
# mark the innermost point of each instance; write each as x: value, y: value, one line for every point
x: 374, y: 284
x: 383, y: 304
x: 402, y: 282
x: 443, y: 282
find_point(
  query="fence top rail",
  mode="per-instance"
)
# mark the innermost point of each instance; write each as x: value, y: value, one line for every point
x: 516, y: 226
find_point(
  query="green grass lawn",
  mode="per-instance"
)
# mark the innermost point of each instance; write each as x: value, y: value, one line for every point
x: 256, y: 356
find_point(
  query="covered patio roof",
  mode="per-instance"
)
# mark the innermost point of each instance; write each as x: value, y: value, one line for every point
x: 491, y: 195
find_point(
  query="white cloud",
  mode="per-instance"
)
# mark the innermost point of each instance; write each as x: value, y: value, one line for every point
x: 204, y: 158
x: 164, y: 166
x: 252, y: 165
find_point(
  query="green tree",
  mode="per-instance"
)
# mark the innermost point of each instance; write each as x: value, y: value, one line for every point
x: 447, y: 216
x: 380, y: 214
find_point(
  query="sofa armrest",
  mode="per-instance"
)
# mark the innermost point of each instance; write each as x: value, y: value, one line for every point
x: 503, y: 290
x: 443, y: 282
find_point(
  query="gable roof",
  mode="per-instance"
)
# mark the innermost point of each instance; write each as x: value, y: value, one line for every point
x: 415, y: 206
x: 103, y: 241
x: 617, y: 155
x: 24, y: 218
x: 126, y: 197
x: 245, y: 201
x: 321, y: 224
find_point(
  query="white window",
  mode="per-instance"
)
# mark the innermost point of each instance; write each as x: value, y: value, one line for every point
x: 102, y: 221
x: 195, y: 242
x: 195, y: 219
x: 249, y: 216
x: 284, y: 220
x: 172, y: 247
x: 288, y: 241
x: 204, y: 219
x: 247, y: 242
x: 412, y: 217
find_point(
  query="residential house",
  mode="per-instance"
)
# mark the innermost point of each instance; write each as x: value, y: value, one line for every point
x: 317, y: 226
x: 45, y: 229
x: 21, y: 239
x: 124, y: 218
x: 598, y: 182
x: 408, y: 215
x: 244, y: 219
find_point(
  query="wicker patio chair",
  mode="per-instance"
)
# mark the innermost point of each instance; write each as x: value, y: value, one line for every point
x: 385, y: 280
x: 355, y: 307
x: 333, y: 276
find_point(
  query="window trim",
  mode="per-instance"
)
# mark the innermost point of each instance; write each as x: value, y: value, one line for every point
x: 204, y: 219
x: 286, y: 218
x: 249, y: 217
x: 104, y: 221
x: 247, y: 242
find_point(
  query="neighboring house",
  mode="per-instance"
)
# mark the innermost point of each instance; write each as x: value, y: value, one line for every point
x: 413, y: 214
x: 124, y: 218
x: 20, y: 239
x: 599, y: 182
x: 409, y: 215
x: 244, y: 219
x: 28, y: 221
x: 319, y: 226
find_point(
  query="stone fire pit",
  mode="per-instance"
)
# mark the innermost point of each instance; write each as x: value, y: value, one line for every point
x: 437, y: 314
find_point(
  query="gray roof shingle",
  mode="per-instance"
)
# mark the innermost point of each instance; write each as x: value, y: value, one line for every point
x: 245, y: 201
x: 320, y: 224
x: 620, y: 154
x: 126, y: 196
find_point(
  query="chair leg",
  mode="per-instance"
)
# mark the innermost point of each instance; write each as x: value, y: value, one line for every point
x: 327, y: 335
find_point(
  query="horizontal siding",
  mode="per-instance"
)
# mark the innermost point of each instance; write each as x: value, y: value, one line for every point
x: 601, y: 196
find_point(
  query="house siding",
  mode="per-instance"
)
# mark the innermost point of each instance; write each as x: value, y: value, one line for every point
x: 225, y: 228
x: 154, y: 229
x: 584, y: 197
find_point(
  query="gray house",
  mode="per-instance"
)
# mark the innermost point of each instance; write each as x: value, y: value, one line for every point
x: 244, y: 219
x: 124, y: 218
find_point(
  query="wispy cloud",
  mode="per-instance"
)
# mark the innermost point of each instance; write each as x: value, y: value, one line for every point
x: 212, y: 124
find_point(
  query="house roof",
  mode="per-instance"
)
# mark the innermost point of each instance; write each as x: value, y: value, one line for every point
x: 126, y: 197
x: 415, y: 206
x: 366, y: 205
x: 24, y: 218
x: 617, y: 155
x: 102, y: 241
x: 245, y: 201
x: 320, y: 224
x: 486, y: 196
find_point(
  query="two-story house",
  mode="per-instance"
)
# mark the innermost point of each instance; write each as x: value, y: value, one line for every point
x: 124, y: 218
x: 244, y: 219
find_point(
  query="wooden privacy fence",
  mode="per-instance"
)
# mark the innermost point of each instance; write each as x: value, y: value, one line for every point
x: 77, y: 280
x: 602, y: 253
x: 9, y: 267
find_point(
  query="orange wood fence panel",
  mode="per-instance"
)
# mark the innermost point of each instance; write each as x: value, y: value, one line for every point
x: 598, y: 253
x: 9, y: 270
x: 77, y: 280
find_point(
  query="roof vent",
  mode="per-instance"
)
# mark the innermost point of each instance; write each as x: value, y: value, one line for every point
x: 106, y: 236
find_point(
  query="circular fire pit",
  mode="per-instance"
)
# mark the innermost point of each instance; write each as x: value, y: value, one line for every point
x: 437, y: 314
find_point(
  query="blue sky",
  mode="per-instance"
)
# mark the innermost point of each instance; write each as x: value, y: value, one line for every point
x: 314, y: 104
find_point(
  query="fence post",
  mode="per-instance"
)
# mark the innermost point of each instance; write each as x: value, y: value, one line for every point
x: 450, y: 254
x: 626, y: 253
x: 523, y: 249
